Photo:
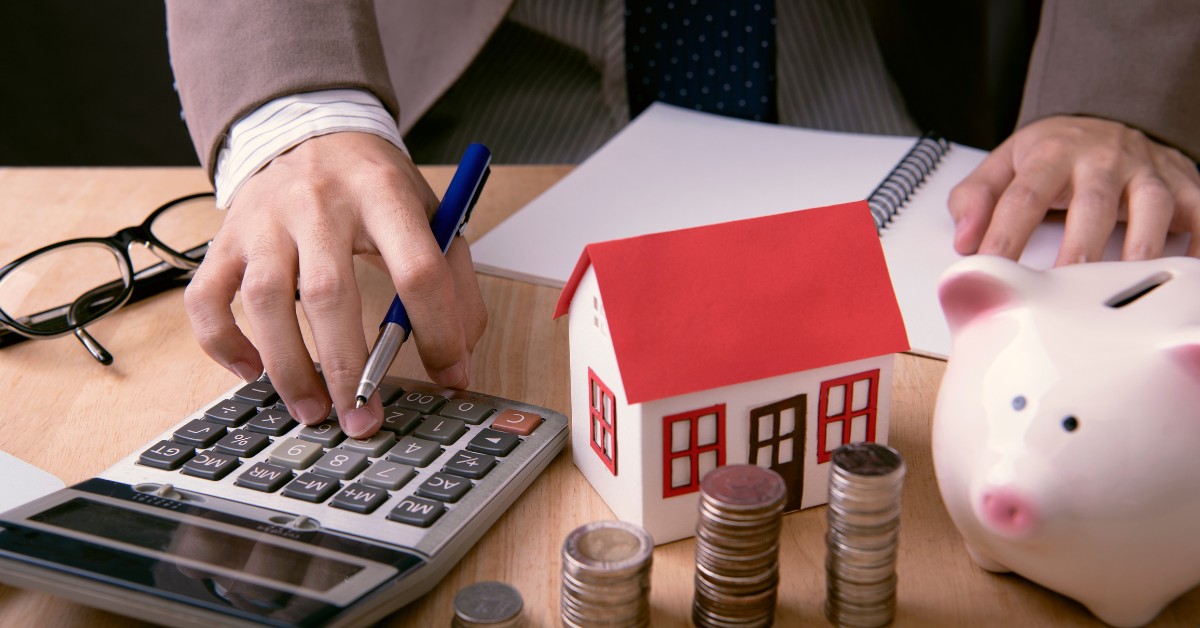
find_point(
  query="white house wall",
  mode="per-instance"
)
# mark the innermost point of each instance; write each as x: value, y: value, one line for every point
x: 592, y: 347
x: 674, y: 518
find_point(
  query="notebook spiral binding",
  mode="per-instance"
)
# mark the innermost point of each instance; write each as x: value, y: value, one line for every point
x: 906, y: 177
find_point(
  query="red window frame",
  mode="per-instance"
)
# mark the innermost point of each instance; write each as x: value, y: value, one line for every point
x: 596, y: 419
x: 694, y: 451
x: 823, y: 419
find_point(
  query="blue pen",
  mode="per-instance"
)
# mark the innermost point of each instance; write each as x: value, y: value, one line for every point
x: 448, y: 221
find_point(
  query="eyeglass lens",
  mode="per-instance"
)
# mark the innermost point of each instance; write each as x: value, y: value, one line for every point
x: 187, y: 225
x: 62, y: 287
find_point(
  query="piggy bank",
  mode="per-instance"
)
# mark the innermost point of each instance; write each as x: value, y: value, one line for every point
x: 1066, y: 438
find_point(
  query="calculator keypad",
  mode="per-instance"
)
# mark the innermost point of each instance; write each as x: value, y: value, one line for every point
x: 440, y: 430
x: 328, y: 434
x: 271, y: 422
x: 341, y: 464
x: 209, y: 465
x: 311, y: 487
x: 295, y: 453
x: 198, y: 433
x: 444, y: 488
x: 414, y: 451
x: 360, y: 498
x: 242, y: 444
x: 375, y: 446
x: 429, y: 455
x: 264, y: 477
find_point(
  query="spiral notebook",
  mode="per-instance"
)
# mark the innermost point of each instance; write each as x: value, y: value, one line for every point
x: 673, y: 168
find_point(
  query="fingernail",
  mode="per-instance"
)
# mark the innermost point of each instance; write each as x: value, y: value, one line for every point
x: 359, y: 422
x: 309, y: 411
x: 450, y: 376
x: 245, y: 371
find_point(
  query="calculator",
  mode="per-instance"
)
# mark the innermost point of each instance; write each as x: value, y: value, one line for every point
x: 240, y: 516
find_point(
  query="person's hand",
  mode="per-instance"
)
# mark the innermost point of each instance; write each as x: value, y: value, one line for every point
x: 298, y: 223
x: 1099, y: 171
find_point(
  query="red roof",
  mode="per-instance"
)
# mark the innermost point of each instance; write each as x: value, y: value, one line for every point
x: 713, y: 306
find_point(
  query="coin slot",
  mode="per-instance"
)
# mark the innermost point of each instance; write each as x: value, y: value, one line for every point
x: 1138, y: 290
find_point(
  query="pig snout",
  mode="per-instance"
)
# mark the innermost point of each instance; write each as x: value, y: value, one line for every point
x: 1008, y: 512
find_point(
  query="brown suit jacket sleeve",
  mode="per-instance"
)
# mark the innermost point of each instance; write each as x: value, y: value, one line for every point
x: 232, y: 56
x: 1136, y: 62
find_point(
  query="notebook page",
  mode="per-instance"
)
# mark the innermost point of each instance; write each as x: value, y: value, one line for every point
x: 673, y: 168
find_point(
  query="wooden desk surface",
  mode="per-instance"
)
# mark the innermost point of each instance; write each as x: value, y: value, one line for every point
x: 65, y: 413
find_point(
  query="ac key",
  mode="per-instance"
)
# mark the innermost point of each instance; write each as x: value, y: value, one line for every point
x: 446, y: 488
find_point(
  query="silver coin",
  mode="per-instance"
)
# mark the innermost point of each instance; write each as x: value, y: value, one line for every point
x: 488, y: 603
x: 744, y: 487
x: 867, y: 459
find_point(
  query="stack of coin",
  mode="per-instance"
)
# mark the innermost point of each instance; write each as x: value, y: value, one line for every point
x: 865, y: 480
x: 487, y: 605
x: 606, y: 576
x: 737, y: 547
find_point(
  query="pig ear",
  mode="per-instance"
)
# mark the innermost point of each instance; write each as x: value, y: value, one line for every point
x: 979, y: 285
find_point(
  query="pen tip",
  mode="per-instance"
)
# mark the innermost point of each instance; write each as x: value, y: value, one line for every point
x: 359, y: 401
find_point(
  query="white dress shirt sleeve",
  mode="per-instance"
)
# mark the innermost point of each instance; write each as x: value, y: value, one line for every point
x: 285, y: 122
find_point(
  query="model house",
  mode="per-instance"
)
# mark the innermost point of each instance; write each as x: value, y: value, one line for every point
x: 766, y: 341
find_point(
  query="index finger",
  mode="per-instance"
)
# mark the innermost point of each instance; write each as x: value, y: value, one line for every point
x: 973, y: 201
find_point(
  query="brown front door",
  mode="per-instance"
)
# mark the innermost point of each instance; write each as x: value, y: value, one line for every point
x: 777, y: 442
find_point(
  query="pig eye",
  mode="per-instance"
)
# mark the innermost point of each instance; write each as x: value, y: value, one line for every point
x: 1070, y: 423
x: 1018, y: 403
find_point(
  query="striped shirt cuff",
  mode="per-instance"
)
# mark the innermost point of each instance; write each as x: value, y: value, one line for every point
x: 285, y: 122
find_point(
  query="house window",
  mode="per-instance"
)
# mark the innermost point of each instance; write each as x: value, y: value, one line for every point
x: 603, y: 412
x: 846, y: 413
x: 693, y: 444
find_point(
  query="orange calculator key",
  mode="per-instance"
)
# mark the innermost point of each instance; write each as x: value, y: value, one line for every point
x: 520, y: 423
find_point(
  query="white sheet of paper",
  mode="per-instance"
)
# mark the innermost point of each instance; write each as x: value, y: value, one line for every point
x: 673, y: 168
x: 24, y: 482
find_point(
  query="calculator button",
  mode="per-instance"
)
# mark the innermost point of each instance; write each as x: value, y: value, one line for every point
x: 469, y: 411
x: 416, y: 511
x: 261, y: 394
x: 494, y: 443
x: 469, y: 464
x: 295, y: 453
x: 441, y: 429
x: 443, y: 487
x: 264, y: 477
x: 388, y: 475
x: 389, y: 392
x: 359, y: 498
x: 423, y: 402
x: 242, y: 443
x: 327, y: 434
x: 400, y: 420
x: 341, y: 464
x: 230, y: 412
x: 209, y: 465
x: 198, y: 433
x: 414, y: 451
x: 166, y: 455
x: 272, y: 422
x: 311, y: 487
x: 375, y: 446
x: 520, y: 423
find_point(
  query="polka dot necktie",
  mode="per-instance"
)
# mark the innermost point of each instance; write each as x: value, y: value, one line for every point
x: 710, y: 55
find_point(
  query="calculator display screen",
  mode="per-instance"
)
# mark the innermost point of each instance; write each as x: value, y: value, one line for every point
x: 201, y: 545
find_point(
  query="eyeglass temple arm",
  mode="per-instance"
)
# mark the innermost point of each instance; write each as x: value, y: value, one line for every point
x: 95, y: 348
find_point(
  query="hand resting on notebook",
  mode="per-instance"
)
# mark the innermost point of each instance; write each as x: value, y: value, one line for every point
x: 298, y: 223
x: 1098, y: 170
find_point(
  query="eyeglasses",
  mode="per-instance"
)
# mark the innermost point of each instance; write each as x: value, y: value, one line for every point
x: 62, y: 288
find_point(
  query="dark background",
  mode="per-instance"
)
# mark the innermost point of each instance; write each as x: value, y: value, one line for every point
x: 88, y: 83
